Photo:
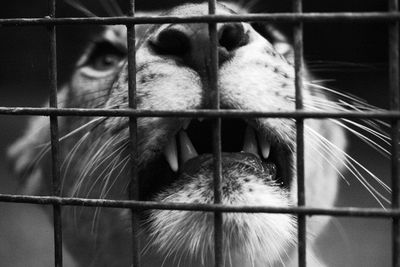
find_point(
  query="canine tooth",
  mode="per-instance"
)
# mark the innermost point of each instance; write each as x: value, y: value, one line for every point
x: 187, y: 149
x: 171, y: 154
x: 250, y: 142
x: 265, y: 146
x: 186, y: 124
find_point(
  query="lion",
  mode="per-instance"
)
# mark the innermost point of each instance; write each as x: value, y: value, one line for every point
x: 175, y: 160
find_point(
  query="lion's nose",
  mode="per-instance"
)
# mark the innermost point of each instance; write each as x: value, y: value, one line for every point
x: 232, y: 36
x: 191, y: 42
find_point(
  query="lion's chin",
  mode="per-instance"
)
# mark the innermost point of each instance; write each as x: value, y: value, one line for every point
x: 260, y: 239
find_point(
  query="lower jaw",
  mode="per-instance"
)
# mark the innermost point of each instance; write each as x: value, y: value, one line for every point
x: 157, y: 176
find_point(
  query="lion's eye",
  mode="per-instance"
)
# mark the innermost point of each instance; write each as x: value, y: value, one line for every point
x: 104, y: 56
x: 106, y: 62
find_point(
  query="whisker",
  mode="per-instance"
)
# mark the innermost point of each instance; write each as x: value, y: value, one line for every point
x: 35, y: 161
x: 342, y: 66
x: 83, y: 178
x: 92, y: 161
x: 80, y: 128
x: 350, y: 167
x: 248, y: 5
x: 70, y: 156
x: 347, y: 96
x: 89, y: 155
x: 380, y: 182
x: 115, y: 163
x: 350, y: 164
x: 89, y: 100
x: 80, y: 7
x: 105, y: 170
x: 323, y: 146
x: 104, y: 159
x: 376, y: 124
x: 124, y: 163
x: 370, y: 127
x: 112, y: 8
x: 106, y: 6
x: 116, y: 7
x: 76, y: 130
x: 45, y: 148
x: 381, y: 137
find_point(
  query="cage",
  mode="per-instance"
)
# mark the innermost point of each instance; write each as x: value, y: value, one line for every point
x: 335, y: 29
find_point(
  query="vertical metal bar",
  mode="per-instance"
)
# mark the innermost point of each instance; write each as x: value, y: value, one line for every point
x: 298, y: 52
x: 134, y: 185
x: 215, y: 104
x: 56, y: 186
x: 395, y: 138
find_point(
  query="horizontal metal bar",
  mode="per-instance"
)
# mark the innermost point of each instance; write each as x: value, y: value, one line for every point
x: 147, y: 205
x: 207, y: 113
x: 269, y: 17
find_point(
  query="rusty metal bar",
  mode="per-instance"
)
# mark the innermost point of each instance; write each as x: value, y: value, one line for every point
x: 148, y: 205
x: 298, y: 68
x: 214, y: 95
x: 133, y: 136
x: 394, y: 88
x: 206, y: 113
x: 342, y: 17
x: 54, y: 137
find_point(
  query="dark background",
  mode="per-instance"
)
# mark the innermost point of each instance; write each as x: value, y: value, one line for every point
x: 349, y: 56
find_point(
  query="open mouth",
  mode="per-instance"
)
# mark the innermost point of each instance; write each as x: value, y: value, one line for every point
x: 193, y: 145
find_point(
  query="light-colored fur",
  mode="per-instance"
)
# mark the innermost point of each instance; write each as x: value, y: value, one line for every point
x: 258, y: 78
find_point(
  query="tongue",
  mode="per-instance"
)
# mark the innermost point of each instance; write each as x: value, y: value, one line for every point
x: 247, y: 163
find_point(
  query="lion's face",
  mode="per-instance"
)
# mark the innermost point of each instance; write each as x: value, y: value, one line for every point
x: 175, y: 154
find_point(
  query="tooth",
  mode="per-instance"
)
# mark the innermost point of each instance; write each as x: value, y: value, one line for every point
x: 265, y: 146
x: 200, y: 119
x: 187, y: 149
x: 186, y: 123
x: 250, y: 142
x: 171, y: 154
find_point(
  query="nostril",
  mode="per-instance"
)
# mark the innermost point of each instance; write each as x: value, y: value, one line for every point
x: 171, y: 42
x: 232, y: 36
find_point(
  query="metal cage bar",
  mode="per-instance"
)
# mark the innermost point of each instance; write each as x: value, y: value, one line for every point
x: 133, y: 136
x: 206, y: 113
x: 395, y: 127
x: 214, y: 96
x: 54, y: 136
x: 147, y: 205
x: 298, y: 68
x: 317, y: 17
